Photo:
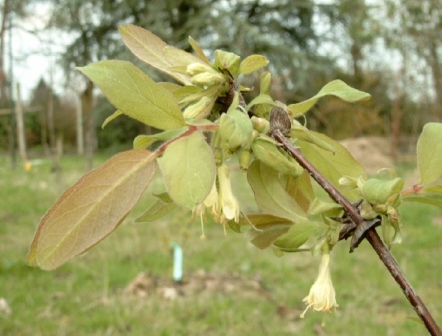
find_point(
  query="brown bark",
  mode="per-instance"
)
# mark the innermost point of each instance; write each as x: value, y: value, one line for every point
x: 87, y: 105
x: 3, y: 83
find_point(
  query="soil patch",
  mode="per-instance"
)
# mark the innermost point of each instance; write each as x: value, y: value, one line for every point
x: 372, y: 152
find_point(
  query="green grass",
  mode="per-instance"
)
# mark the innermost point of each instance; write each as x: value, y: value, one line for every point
x: 86, y: 296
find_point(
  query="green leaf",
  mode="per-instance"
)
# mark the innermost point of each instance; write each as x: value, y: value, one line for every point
x: 113, y: 116
x: 91, y: 209
x: 150, y: 49
x: 198, y: 50
x: 200, y: 94
x: 435, y: 200
x: 302, y: 133
x: 333, y: 165
x: 300, y: 189
x: 144, y: 141
x: 188, y: 168
x: 180, y: 58
x: 261, y: 99
x: 270, y: 194
x: 160, y: 208
x: 265, y: 80
x: 336, y: 88
x: 227, y: 60
x: 268, y: 228
x: 135, y: 94
x: 429, y: 153
x: 297, y: 235
x: 377, y: 191
x: 185, y: 91
x: 329, y: 209
x: 252, y: 63
x: 267, y: 152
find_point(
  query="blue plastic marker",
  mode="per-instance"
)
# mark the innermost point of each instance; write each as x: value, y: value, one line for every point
x: 177, y: 262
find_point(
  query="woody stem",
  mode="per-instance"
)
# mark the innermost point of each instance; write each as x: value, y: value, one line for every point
x: 371, y: 235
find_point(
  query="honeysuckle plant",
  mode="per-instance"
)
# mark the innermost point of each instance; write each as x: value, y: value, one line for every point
x: 206, y: 126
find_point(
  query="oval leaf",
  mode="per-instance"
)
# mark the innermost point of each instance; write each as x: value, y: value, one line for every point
x: 429, y: 153
x: 144, y: 141
x: 336, y: 88
x: 188, y: 168
x: 135, y: 94
x: 297, y: 235
x: 150, y: 48
x: 261, y: 99
x: 198, y: 50
x: 162, y: 206
x: 267, y: 228
x: 333, y: 165
x: 269, y: 193
x: 252, y: 63
x: 91, y: 209
x: 113, y: 116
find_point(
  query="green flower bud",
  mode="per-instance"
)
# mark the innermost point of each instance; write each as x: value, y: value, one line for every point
x: 200, y: 109
x: 197, y: 68
x: 392, y: 214
x: 244, y: 159
x: 348, y: 182
x: 367, y: 211
x: 266, y: 151
x: 207, y: 79
x: 260, y: 124
x: 218, y: 154
x: 235, y: 129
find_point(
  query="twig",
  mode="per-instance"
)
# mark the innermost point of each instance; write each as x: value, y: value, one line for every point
x: 371, y: 235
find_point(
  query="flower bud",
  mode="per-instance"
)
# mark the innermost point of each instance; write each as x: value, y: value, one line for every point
x: 348, y: 182
x: 235, y: 129
x: 200, y: 109
x: 260, y: 124
x: 207, y: 79
x: 197, y: 68
x: 244, y: 159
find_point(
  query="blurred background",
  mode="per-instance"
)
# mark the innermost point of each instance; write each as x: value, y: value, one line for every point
x: 50, y: 124
x: 390, y: 49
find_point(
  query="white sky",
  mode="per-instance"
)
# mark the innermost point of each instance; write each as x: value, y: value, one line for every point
x: 32, y: 59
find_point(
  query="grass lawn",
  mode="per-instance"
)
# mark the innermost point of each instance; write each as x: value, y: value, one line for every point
x: 238, y: 289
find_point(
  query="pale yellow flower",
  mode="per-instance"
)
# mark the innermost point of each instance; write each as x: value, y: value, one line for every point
x: 322, y: 295
x: 227, y: 203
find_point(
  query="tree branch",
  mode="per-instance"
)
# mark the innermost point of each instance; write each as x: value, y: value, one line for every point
x: 370, y: 234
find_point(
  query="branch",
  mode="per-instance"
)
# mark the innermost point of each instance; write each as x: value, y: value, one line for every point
x: 370, y: 234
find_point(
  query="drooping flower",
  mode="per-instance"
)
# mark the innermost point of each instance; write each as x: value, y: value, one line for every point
x: 228, y: 206
x: 322, y: 295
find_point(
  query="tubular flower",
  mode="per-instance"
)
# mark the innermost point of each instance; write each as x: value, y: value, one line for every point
x: 227, y: 203
x: 322, y: 294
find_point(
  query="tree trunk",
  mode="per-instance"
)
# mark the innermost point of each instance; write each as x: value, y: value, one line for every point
x: 87, y: 105
x: 79, y: 127
x: 56, y: 167
x: 20, y: 127
x: 3, y: 83
x: 437, y: 76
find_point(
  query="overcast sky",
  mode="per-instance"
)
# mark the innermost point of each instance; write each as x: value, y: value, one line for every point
x: 32, y: 58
